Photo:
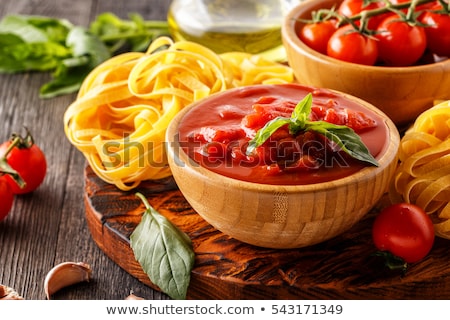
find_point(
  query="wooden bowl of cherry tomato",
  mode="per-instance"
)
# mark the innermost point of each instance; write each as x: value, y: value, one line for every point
x: 401, y: 69
x: 282, y: 166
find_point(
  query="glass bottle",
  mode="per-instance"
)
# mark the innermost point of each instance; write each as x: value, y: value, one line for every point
x: 252, y: 26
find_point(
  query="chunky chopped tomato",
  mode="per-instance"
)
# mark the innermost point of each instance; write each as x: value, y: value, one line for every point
x: 220, y: 134
x: 282, y: 151
x: 266, y: 109
x: 356, y: 120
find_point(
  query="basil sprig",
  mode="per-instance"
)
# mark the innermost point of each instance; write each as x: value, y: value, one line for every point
x: 343, y: 136
x: 164, y: 252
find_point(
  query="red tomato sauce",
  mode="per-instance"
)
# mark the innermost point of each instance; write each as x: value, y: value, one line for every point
x: 216, y: 133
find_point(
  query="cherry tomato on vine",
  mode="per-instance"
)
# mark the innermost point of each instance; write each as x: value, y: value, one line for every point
x: 7, y: 198
x: 437, y: 31
x: 316, y: 35
x: 419, y: 8
x: 27, y: 159
x: 399, y: 43
x: 350, y: 8
x: 349, y: 45
x: 405, y: 231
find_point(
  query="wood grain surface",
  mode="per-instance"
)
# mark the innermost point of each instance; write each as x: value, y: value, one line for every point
x: 49, y: 226
x: 341, y: 268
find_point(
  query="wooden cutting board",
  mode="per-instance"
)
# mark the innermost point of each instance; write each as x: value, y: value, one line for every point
x: 341, y: 268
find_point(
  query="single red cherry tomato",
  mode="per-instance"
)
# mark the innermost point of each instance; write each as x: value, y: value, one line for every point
x: 316, y: 35
x: 28, y: 160
x: 7, y: 198
x: 404, y: 230
x: 399, y: 43
x: 349, y: 45
x: 437, y: 31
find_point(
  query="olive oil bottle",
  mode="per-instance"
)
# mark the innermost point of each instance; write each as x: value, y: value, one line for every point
x: 252, y: 26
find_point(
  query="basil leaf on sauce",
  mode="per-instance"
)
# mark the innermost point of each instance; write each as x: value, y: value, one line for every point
x: 264, y: 133
x: 300, y: 114
x: 164, y: 252
x: 343, y: 136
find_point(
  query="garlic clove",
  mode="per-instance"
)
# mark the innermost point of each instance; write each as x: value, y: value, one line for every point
x: 132, y: 296
x: 66, y: 274
x: 7, y: 293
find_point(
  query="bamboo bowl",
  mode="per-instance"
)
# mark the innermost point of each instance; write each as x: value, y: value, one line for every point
x: 401, y: 92
x: 280, y: 216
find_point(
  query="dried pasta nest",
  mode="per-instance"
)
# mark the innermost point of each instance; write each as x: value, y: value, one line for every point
x: 124, y: 106
x: 423, y: 174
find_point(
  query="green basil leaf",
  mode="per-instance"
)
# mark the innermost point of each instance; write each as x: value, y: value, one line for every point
x: 134, y: 34
x: 164, y: 252
x: 19, y: 25
x: 84, y: 43
x: 39, y: 43
x: 265, y: 132
x: 344, y: 137
x: 300, y: 114
x: 87, y: 53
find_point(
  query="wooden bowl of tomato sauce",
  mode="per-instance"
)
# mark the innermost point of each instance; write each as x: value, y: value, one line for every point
x: 401, y: 92
x: 293, y: 190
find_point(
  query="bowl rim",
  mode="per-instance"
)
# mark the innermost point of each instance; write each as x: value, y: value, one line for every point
x: 291, y: 38
x: 385, y: 158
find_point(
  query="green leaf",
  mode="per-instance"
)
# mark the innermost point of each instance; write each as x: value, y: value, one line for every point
x: 39, y: 43
x: 164, y: 252
x: 20, y: 26
x: 345, y: 138
x: 82, y: 43
x: 300, y: 114
x: 37, y: 56
x: 87, y: 52
x: 135, y: 34
x: 264, y: 133
x: 32, y: 28
x: 32, y: 43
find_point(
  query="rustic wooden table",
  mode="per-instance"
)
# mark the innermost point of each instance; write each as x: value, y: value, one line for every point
x: 49, y: 226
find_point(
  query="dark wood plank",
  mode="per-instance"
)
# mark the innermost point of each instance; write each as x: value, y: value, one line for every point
x: 341, y: 268
x: 49, y: 226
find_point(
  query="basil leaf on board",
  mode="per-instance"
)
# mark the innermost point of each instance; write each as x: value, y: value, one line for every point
x: 164, y: 252
x: 343, y: 136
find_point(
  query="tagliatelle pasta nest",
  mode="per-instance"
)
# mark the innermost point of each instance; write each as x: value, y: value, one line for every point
x: 124, y: 106
x: 423, y: 175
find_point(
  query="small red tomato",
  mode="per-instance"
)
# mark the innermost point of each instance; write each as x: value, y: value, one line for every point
x: 316, y: 35
x: 7, y: 198
x: 404, y: 230
x: 28, y: 160
x: 349, y: 45
x: 437, y: 31
x: 399, y: 43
